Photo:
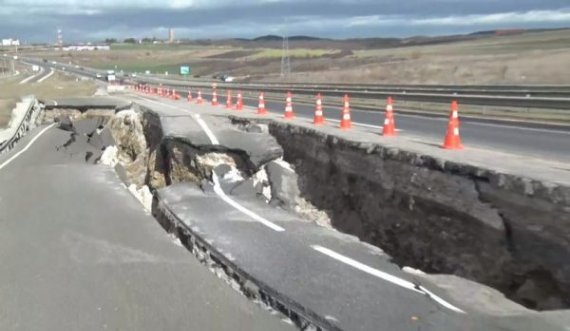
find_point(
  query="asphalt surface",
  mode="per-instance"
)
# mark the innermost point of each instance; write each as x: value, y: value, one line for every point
x: 543, y: 143
x: 79, y: 253
x: 548, y: 144
x: 36, y: 77
x: 356, y: 287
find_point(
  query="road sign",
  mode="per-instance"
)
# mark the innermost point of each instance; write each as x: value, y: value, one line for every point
x: 185, y: 70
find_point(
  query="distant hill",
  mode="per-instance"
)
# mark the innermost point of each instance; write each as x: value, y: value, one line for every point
x: 350, y: 44
x: 270, y: 37
x: 292, y: 38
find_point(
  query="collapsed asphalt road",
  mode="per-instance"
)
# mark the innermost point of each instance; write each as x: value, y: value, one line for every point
x: 79, y: 253
x: 205, y: 171
x: 232, y: 226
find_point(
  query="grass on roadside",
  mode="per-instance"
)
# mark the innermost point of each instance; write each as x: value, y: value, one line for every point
x: 6, y: 106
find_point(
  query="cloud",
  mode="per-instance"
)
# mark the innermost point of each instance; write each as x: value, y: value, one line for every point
x: 37, y: 20
x: 537, y: 16
x: 511, y: 18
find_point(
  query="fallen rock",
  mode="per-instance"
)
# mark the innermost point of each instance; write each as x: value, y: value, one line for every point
x: 283, y: 181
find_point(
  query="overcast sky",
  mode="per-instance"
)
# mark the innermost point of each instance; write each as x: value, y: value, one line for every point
x: 38, y: 20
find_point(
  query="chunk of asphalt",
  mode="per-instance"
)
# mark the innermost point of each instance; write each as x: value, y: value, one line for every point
x: 222, y: 169
x: 87, y: 126
x: 259, y: 147
x: 64, y: 123
x: 92, y: 157
x: 122, y: 174
x: 284, y: 188
x: 245, y: 188
x: 102, y: 140
x: 107, y: 137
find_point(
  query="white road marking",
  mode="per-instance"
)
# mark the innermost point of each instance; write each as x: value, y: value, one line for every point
x: 385, y: 276
x: 220, y: 192
x: 217, y: 188
x: 47, y: 76
x: 206, y: 129
x: 25, y: 80
x: 25, y: 148
x: 364, y: 125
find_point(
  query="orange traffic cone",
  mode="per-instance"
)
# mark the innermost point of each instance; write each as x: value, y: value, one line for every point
x: 229, y: 100
x: 167, y: 95
x: 261, y: 108
x: 214, y: 98
x: 189, y: 96
x: 289, y: 113
x: 345, y: 121
x: 199, y: 98
x: 452, y: 138
x: 239, y: 102
x: 389, y: 128
x: 319, y: 118
x: 173, y: 95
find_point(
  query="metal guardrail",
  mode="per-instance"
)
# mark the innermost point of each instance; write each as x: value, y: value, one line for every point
x: 516, y: 96
x: 479, y: 100
x: 22, y: 127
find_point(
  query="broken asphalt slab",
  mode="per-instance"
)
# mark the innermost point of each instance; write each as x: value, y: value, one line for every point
x: 79, y: 253
x: 334, y: 294
x: 260, y: 147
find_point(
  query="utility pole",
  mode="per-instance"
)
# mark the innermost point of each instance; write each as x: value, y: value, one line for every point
x: 285, y: 60
x: 60, y: 39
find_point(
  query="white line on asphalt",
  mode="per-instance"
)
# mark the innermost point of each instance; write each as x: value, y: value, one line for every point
x: 217, y: 187
x: 364, y: 125
x: 385, y: 276
x: 24, y: 81
x: 47, y: 76
x: 220, y: 192
x: 25, y: 148
x: 206, y: 129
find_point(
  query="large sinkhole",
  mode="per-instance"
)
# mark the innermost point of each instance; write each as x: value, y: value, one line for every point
x: 439, y: 218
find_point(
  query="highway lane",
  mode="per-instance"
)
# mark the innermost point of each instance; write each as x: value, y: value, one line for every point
x: 547, y: 144
x: 78, y: 253
x: 44, y: 73
x: 518, y: 138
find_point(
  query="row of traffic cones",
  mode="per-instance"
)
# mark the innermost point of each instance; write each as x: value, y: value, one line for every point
x: 452, y: 138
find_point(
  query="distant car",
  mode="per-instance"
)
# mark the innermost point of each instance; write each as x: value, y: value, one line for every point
x: 99, y: 76
x: 133, y: 75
